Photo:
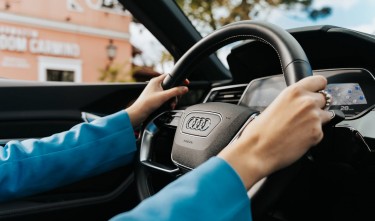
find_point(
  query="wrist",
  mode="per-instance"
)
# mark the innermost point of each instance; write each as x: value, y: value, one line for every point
x: 245, y: 161
x: 136, y: 115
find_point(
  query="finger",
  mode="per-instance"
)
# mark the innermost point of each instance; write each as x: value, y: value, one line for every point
x: 313, y: 83
x: 160, y: 78
x: 157, y: 79
x: 319, y: 99
x: 186, y: 82
x: 325, y: 116
x: 174, y: 103
x: 174, y: 92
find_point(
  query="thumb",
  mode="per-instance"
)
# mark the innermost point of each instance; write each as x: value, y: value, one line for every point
x: 174, y: 92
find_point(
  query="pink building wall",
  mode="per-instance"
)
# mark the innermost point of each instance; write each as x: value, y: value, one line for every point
x: 89, y: 28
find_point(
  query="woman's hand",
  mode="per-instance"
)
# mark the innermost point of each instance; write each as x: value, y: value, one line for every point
x: 282, y: 133
x: 152, y: 97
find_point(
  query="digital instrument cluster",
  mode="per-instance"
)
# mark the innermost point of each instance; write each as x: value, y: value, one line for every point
x: 346, y: 94
x: 352, y: 90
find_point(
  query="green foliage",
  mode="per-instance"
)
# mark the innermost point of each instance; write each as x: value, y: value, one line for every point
x: 209, y: 15
x: 116, y: 72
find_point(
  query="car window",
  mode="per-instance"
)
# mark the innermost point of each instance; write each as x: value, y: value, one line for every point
x: 83, y: 41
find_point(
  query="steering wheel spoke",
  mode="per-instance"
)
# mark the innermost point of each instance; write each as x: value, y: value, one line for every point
x: 158, y: 167
x: 167, y: 120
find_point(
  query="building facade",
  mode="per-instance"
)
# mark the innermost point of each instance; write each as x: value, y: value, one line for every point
x: 63, y: 40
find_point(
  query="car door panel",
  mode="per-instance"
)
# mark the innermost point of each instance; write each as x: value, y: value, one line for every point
x: 43, y: 109
x: 35, y: 110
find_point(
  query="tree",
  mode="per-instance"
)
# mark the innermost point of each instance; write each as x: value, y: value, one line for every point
x: 209, y: 15
x: 117, y: 72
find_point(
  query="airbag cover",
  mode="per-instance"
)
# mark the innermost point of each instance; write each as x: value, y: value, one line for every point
x: 205, y: 129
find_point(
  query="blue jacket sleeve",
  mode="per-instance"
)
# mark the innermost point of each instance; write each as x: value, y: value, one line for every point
x: 213, y: 191
x: 88, y: 149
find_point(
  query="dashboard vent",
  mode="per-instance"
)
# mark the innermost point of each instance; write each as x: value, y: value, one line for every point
x: 227, y: 94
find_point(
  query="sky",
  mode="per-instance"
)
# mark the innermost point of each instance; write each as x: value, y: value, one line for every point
x: 150, y: 47
x: 353, y: 14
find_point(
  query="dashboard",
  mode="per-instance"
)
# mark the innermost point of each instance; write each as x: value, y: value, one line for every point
x: 352, y: 90
x: 341, y: 168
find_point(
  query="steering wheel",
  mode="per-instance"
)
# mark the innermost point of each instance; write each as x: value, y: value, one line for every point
x: 203, y: 130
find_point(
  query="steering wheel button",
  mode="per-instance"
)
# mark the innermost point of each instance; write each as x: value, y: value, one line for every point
x: 177, y: 114
x: 175, y: 121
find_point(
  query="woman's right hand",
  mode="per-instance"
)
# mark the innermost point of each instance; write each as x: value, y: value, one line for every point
x: 152, y: 97
x: 282, y: 133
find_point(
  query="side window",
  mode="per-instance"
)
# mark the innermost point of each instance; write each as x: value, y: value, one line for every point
x: 83, y: 41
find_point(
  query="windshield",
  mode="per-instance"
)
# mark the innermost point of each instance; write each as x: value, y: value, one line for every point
x: 209, y: 15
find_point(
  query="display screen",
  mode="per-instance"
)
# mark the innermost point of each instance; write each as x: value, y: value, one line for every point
x: 347, y: 97
x: 352, y: 91
x: 346, y: 94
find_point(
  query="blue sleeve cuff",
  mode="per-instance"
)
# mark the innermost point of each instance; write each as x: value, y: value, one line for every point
x: 213, y: 191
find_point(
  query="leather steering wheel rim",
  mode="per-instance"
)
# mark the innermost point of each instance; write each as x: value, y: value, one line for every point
x: 293, y: 60
x: 294, y: 65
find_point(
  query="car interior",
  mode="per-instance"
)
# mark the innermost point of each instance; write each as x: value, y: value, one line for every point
x: 334, y: 181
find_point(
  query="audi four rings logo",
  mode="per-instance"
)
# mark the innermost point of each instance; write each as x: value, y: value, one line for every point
x: 198, y: 123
